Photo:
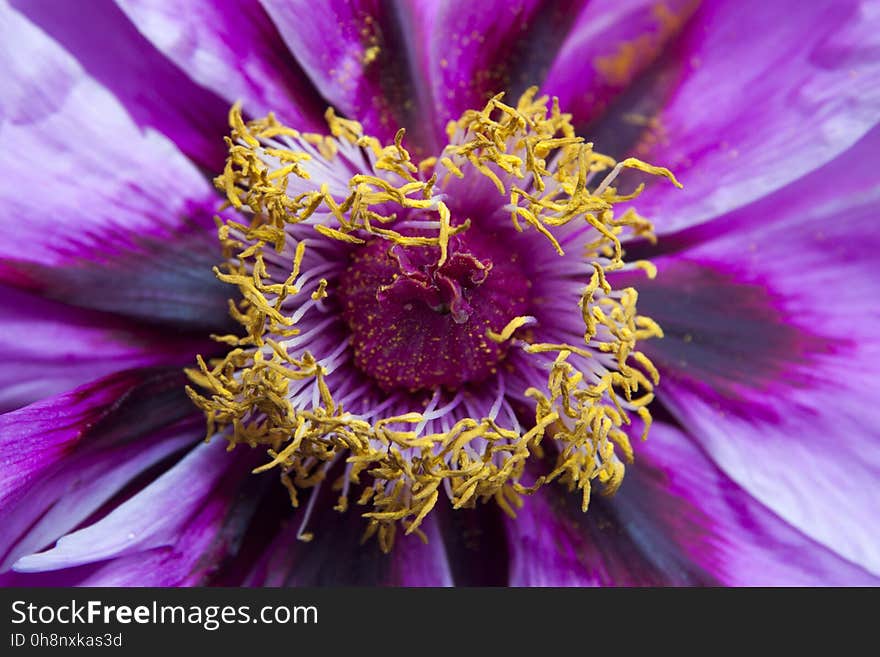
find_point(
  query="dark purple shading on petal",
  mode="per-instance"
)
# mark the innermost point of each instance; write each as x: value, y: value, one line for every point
x: 176, y: 524
x: 760, y: 95
x: 50, y: 347
x: 232, y: 48
x: 674, y: 490
x: 70, y: 577
x: 771, y: 359
x: 366, y: 58
x: 336, y: 557
x: 163, y: 282
x: 725, y: 334
x: 610, y: 45
x: 153, y: 91
x: 78, y: 449
x: 677, y: 520
x: 553, y: 543
x: 477, y: 50
x: 97, y: 212
x: 476, y: 544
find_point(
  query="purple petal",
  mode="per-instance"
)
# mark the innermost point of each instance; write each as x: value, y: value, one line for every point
x: 109, y: 48
x: 367, y: 60
x: 165, y: 567
x: 610, y: 44
x: 771, y: 350
x: 676, y: 490
x: 164, y: 282
x: 677, y: 520
x: 788, y: 87
x: 178, y: 516
x: 96, y: 212
x: 335, y: 556
x: 87, y: 483
x: 209, y: 537
x: 76, y: 450
x: 421, y: 564
x: 231, y: 47
x: 477, y: 50
x: 553, y: 543
x: 50, y: 347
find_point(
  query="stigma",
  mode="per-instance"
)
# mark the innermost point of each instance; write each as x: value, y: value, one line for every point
x: 413, y: 331
x: 417, y: 324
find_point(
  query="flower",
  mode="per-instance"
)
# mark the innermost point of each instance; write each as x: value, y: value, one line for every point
x: 396, y: 315
x: 441, y: 329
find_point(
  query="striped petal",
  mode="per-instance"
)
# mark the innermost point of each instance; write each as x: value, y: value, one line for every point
x: 173, y: 523
x: 790, y: 87
x: 232, y: 47
x: 772, y: 344
x: 63, y: 457
x: 154, y: 92
x: 366, y: 59
x: 50, y: 347
x: 97, y: 212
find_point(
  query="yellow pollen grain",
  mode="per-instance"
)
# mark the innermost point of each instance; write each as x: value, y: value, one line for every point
x: 370, y: 55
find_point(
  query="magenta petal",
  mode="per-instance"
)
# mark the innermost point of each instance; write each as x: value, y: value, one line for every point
x: 232, y: 47
x: 62, y: 447
x: 609, y: 45
x: 767, y: 93
x: 719, y: 525
x: 50, y: 347
x: 89, y: 481
x: 771, y: 350
x: 335, y: 556
x: 208, y: 538
x: 553, y: 543
x: 155, y: 93
x: 180, y: 514
x: 97, y: 212
x: 422, y: 564
x: 477, y: 50
x: 165, y: 567
x: 367, y: 60
x: 181, y: 565
x: 677, y: 520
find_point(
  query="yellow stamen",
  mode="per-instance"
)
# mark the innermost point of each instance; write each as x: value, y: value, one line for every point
x: 531, y: 155
x: 508, y: 331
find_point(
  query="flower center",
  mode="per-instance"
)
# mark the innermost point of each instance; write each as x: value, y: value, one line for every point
x: 418, y: 323
x: 378, y: 298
